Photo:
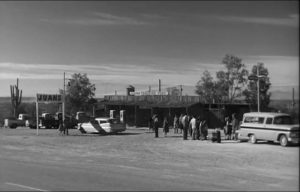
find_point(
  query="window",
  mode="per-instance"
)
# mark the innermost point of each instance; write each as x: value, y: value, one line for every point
x: 248, y: 119
x: 283, y: 120
x: 269, y: 120
x: 259, y: 120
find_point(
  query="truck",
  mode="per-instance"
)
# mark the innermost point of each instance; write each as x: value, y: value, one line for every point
x: 21, y: 121
x: 49, y: 121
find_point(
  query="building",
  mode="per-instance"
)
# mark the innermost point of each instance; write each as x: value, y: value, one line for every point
x: 139, y: 109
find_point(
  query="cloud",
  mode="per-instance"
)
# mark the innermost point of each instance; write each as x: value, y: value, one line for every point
x: 291, y: 20
x: 170, y: 73
x: 283, y: 70
x: 98, y: 19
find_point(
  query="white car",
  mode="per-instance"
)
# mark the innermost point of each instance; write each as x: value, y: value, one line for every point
x: 276, y: 127
x: 102, y: 125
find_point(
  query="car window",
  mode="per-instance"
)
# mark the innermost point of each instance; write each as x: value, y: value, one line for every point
x: 103, y: 121
x: 269, y: 120
x: 259, y: 120
x: 283, y: 120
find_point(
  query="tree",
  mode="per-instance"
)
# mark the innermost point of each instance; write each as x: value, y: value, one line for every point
x: 264, y: 85
x: 206, y: 88
x: 16, y: 97
x: 79, y: 93
x: 233, y: 80
x: 174, y: 91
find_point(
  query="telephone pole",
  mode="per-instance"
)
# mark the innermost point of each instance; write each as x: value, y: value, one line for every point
x: 258, y: 87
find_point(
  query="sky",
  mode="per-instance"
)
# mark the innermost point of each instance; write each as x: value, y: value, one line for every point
x: 121, y: 43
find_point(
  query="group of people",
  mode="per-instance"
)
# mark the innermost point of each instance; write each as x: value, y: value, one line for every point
x: 184, y: 124
x: 230, y: 127
x: 195, y: 127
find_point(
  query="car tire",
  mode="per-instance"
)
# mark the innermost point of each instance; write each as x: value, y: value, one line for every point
x: 283, y: 141
x: 252, y: 139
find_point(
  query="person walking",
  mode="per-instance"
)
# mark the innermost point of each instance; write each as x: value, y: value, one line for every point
x: 176, y: 124
x: 235, y: 126
x: 165, y: 126
x: 155, y: 122
x: 193, y: 127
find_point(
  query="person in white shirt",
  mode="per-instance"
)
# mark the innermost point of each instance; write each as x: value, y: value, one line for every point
x: 193, y: 127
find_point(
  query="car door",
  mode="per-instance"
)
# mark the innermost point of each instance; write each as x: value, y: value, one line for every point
x: 259, y: 124
x: 270, y: 134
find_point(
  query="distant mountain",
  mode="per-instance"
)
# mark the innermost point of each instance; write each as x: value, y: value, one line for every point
x: 24, y: 99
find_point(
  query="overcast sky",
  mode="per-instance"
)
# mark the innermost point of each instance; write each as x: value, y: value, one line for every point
x: 137, y: 43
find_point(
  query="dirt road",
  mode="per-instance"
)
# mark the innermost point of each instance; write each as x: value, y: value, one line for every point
x: 135, y: 160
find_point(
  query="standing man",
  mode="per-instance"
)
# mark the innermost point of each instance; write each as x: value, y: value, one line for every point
x: 193, y: 127
x: 204, y: 129
x: 226, y: 127
x: 175, y: 124
x: 180, y: 123
x: 150, y: 124
x: 155, y: 122
x: 235, y: 126
x: 198, y: 122
x: 185, y: 125
x: 166, y: 126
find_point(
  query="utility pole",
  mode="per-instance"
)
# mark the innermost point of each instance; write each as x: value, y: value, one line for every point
x: 64, y: 100
x: 258, y: 88
x: 180, y: 92
x: 159, y: 85
x: 293, y: 102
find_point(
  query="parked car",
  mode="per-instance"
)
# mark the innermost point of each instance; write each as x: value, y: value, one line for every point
x: 49, y: 121
x: 13, y: 123
x: 275, y: 127
x: 82, y: 117
x: 102, y: 125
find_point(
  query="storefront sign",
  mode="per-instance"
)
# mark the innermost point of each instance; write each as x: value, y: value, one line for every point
x: 50, y: 98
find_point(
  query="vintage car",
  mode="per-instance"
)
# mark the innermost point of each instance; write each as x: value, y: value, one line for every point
x: 274, y: 127
x: 102, y: 125
x: 21, y: 121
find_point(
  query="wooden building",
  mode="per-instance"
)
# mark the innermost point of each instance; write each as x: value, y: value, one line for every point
x: 139, y: 109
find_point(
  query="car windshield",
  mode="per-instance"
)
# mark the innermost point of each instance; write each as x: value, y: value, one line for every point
x: 283, y: 120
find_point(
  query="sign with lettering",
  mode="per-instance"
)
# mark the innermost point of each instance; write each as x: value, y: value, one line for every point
x: 140, y: 93
x: 50, y: 98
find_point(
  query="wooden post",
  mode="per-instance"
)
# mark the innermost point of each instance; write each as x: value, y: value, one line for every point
x: 135, y: 115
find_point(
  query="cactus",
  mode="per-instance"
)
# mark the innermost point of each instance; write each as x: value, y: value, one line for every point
x: 16, y: 97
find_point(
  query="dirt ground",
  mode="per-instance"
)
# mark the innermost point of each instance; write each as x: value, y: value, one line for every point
x: 204, y: 165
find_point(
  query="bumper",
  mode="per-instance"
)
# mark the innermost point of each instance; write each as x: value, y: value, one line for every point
x: 293, y: 140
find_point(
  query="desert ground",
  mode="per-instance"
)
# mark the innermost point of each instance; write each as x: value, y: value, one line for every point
x: 135, y: 160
